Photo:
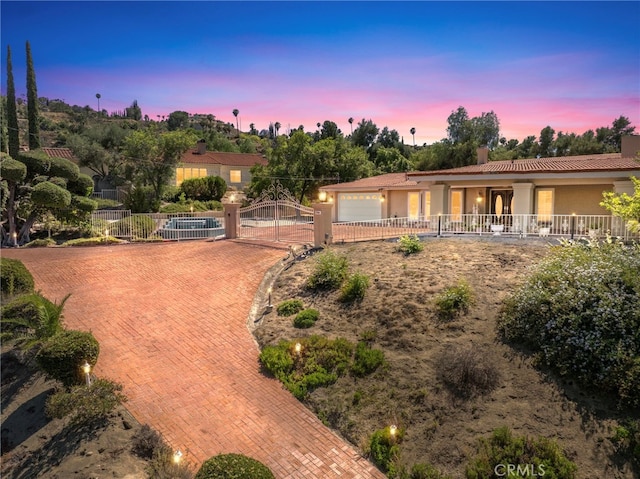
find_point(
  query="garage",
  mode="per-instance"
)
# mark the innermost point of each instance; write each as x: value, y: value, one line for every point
x: 359, y: 206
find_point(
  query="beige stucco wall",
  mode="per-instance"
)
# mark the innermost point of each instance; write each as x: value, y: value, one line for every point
x: 397, y: 204
x: 581, y: 200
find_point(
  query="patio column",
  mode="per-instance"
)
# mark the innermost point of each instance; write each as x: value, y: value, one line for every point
x: 322, y: 224
x: 523, y: 198
x: 231, y: 220
x: 439, y: 199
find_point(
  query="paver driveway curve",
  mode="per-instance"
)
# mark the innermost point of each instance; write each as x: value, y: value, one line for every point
x: 171, y: 322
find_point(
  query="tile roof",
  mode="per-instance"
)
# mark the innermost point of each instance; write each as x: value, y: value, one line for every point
x: 561, y: 164
x: 60, y: 153
x: 389, y: 180
x: 223, y: 158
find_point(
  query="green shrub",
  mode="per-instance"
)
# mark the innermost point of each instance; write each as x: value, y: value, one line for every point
x: 306, y: 318
x: 579, y: 308
x: 146, y: 442
x: 87, y: 403
x: 290, y: 307
x: 233, y: 466
x: 163, y: 466
x: 355, y: 288
x: 409, y: 244
x: 31, y: 319
x: 366, y: 360
x: 467, y: 371
x: 454, y: 300
x: 426, y: 471
x: 106, y: 204
x: 97, y: 241
x: 329, y: 271
x: 541, y: 456
x: 62, y: 356
x: 627, y: 440
x: 15, y: 277
x: 40, y: 243
x: 138, y: 226
x: 141, y: 199
x: 319, y: 362
x: 384, y: 449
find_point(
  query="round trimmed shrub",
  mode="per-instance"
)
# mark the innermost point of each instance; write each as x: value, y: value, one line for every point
x: 16, y: 278
x: 62, y: 356
x: 12, y: 170
x: 290, y: 307
x: 306, y: 318
x: 233, y: 466
x: 50, y: 195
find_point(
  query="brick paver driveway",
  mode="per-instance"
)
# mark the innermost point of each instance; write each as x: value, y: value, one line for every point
x: 171, y: 321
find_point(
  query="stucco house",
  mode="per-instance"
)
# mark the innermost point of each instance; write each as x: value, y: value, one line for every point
x: 543, y: 187
x: 233, y: 168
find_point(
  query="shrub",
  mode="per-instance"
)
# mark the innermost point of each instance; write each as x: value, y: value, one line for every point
x: 39, y: 243
x: 355, y: 288
x: 319, y: 363
x: 141, y: 199
x: 162, y: 465
x: 579, y: 308
x: 366, y: 360
x: 233, y: 466
x: 31, y: 319
x: 146, y: 442
x: 15, y: 277
x: 306, y: 318
x: 64, y: 353
x: 467, y: 371
x: 409, y: 244
x: 290, y: 307
x: 541, y: 456
x: 97, y: 241
x: 86, y: 404
x: 453, y: 301
x: 627, y: 440
x: 384, y: 449
x: 426, y: 471
x: 329, y: 271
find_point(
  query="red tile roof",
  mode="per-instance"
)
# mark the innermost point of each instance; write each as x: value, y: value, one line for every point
x: 390, y: 180
x: 223, y: 158
x: 60, y: 153
x: 561, y: 164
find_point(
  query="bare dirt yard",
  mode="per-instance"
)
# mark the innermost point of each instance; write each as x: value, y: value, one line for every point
x: 441, y: 428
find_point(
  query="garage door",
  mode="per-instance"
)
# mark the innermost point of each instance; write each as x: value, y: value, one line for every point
x: 359, y: 206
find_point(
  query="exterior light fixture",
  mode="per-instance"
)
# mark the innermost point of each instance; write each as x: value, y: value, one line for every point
x: 269, y: 291
x: 382, y: 198
x: 393, y: 429
x: 177, y: 456
x: 298, y: 348
x: 15, y: 238
x: 479, y: 198
x: 322, y: 196
x: 331, y: 199
x: 191, y: 209
x: 86, y: 369
x: 232, y: 198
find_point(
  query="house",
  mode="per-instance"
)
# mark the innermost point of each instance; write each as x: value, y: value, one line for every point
x: 544, y: 187
x: 233, y: 168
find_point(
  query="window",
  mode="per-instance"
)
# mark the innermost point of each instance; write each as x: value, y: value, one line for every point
x: 413, y: 206
x: 427, y: 204
x: 235, y: 176
x: 456, y: 205
x: 187, y: 173
x: 544, y: 204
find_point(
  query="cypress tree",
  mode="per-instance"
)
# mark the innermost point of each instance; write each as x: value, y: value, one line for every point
x: 32, y: 103
x: 12, y: 113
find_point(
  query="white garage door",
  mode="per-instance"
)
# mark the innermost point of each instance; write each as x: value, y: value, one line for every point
x: 359, y: 206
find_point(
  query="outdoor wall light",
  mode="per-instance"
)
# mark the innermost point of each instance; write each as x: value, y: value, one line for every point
x: 331, y: 199
x: 232, y: 198
x: 382, y: 198
x: 479, y: 198
x: 177, y: 456
x: 322, y: 196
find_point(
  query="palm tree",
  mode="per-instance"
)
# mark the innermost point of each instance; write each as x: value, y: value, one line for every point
x: 98, y: 96
x: 413, y: 132
x: 351, y: 123
x: 235, y: 113
x: 277, y: 127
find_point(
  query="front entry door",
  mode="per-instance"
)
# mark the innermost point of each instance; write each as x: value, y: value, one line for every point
x: 501, y: 202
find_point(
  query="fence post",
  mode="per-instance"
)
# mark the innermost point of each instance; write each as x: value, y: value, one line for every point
x: 322, y: 224
x: 231, y: 220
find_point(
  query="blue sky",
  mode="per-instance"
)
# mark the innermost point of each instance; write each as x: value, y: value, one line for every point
x: 571, y: 65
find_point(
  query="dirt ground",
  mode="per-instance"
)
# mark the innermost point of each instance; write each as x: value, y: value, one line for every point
x: 34, y: 446
x: 442, y: 429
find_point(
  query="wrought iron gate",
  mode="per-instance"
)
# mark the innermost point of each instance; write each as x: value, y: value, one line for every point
x: 276, y: 216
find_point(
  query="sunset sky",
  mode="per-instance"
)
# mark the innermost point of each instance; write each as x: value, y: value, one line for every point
x: 571, y: 65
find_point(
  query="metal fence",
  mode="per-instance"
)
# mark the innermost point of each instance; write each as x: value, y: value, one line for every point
x: 567, y: 226
x: 277, y: 220
x: 157, y: 226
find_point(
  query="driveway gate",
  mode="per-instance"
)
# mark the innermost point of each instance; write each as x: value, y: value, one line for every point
x: 276, y: 216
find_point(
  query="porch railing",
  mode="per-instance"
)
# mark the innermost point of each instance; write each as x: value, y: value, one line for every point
x: 568, y: 226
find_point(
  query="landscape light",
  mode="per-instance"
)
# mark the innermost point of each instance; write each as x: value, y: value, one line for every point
x: 86, y: 369
x: 177, y: 456
x: 393, y: 429
x: 298, y: 348
x: 269, y: 292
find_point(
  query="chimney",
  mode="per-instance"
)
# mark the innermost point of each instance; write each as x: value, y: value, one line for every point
x: 483, y: 155
x: 630, y: 146
x: 202, y: 147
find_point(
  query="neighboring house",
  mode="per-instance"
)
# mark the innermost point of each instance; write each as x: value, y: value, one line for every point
x: 540, y: 186
x: 67, y: 154
x: 233, y: 168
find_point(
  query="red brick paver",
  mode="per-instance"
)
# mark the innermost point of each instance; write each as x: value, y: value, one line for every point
x: 171, y: 321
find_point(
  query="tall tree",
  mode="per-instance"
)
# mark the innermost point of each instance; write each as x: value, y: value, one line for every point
x: 177, y: 119
x: 351, y: 124
x: 32, y: 103
x: 98, y: 96
x: 235, y: 113
x: 413, y: 133
x: 277, y: 126
x: 12, y: 112
x: 134, y: 112
x: 365, y: 134
x: 459, y: 129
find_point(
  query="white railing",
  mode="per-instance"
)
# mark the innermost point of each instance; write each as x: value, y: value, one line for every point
x: 522, y: 226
